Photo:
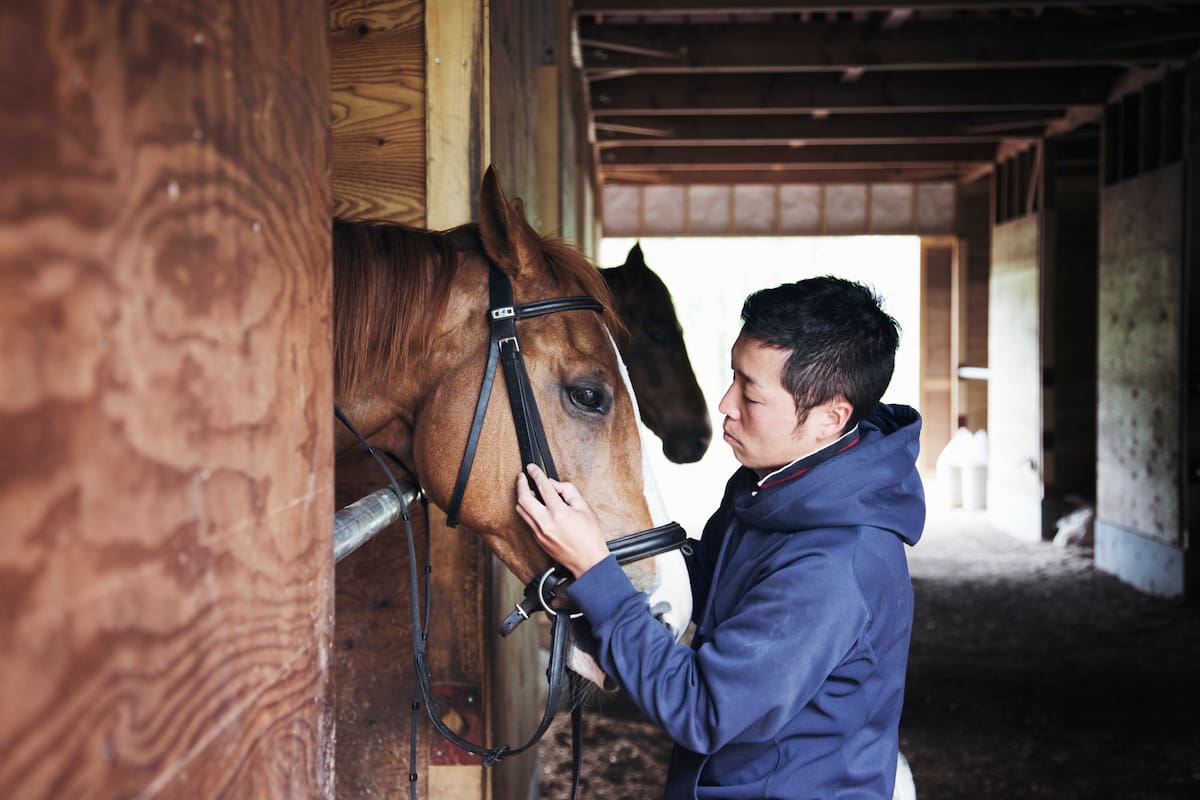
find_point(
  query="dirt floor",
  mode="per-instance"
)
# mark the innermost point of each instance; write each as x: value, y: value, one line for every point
x: 1031, y: 675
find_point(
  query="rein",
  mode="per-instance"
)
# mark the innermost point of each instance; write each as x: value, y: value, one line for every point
x: 504, y: 349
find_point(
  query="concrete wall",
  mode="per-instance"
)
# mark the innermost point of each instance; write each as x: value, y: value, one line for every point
x: 1139, y: 533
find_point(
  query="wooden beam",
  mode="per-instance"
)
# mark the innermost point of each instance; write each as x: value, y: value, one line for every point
x: 652, y: 175
x: 833, y: 129
x: 910, y: 92
x: 788, y: 45
x: 680, y: 7
x: 457, y: 140
x: 821, y: 156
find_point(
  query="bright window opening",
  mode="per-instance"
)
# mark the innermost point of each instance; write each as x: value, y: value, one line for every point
x: 710, y: 277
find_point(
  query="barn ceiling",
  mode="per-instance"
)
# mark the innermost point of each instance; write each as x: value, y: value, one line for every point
x: 702, y: 91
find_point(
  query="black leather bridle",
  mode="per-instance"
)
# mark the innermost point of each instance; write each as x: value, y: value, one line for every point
x: 505, y: 349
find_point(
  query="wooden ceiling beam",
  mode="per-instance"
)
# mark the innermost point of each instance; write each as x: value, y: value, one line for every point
x: 835, y: 128
x: 681, y: 7
x: 823, y: 156
x: 892, y: 92
x: 742, y: 175
x: 928, y: 44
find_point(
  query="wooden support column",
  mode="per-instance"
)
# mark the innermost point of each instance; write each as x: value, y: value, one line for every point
x: 938, y: 258
x: 166, y: 465
x: 458, y: 148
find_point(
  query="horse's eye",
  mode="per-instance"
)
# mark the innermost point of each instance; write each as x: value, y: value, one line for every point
x: 588, y: 399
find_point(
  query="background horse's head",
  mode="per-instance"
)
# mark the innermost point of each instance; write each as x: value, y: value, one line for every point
x: 411, y: 341
x: 668, y: 394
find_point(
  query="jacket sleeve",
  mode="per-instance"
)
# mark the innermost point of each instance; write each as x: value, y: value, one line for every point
x: 752, y: 674
x: 702, y: 561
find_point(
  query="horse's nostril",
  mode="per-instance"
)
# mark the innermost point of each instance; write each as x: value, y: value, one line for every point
x: 660, y: 611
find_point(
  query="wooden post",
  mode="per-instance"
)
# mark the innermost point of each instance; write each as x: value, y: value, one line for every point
x: 166, y: 464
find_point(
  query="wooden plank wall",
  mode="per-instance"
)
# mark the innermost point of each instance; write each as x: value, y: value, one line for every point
x: 377, y: 81
x: 938, y: 259
x: 165, y: 494
x: 973, y: 226
x: 485, y: 687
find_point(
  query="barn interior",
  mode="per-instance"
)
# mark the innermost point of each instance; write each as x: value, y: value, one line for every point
x: 168, y: 474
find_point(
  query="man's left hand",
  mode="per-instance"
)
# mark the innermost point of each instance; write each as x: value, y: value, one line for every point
x: 564, y: 524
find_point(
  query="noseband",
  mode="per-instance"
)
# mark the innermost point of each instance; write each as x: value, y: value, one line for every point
x: 505, y: 349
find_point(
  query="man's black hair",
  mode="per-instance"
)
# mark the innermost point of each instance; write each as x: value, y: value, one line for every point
x: 840, y: 341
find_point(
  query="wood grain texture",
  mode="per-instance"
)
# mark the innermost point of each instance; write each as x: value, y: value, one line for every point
x: 378, y: 91
x: 937, y: 268
x: 166, y: 569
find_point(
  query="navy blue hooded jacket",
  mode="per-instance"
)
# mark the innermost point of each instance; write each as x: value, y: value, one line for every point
x: 794, y: 681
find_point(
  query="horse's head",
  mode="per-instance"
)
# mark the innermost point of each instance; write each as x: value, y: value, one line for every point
x: 423, y: 408
x: 669, y: 397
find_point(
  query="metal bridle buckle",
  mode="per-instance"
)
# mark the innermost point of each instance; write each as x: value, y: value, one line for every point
x: 541, y: 593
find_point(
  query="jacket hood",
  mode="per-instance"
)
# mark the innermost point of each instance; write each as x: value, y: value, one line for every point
x: 875, y: 483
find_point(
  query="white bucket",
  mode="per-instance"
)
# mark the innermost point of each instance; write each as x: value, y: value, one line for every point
x: 974, y: 487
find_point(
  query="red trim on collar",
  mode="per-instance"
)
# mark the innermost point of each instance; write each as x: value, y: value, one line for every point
x: 803, y: 469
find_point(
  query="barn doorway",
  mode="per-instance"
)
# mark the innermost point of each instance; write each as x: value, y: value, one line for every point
x: 709, y: 277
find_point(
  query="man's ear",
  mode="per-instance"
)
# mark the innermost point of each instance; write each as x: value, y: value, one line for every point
x: 835, y: 414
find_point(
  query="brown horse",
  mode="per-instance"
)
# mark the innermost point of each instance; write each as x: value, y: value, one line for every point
x: 410, y: 343
x: 668, y: 396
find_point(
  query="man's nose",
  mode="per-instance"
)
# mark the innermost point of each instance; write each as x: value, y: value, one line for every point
x: 725, y: 406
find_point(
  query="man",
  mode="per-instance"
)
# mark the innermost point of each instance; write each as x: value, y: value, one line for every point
x: 794, y: 681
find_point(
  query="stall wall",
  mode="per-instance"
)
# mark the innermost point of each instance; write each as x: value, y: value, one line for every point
x: 973, y: 226
x: 1139, y: 534
x: 1071, y: 237
x: 165, y: 489
x: 1014, y: 482
x: 426, y: 95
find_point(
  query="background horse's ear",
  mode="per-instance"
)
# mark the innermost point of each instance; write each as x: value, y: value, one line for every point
x: 507, y: 237
x: 518, y: 205
x: 635, y: 259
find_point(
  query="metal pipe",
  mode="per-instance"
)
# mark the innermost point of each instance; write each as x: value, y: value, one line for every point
x: 355, y: 524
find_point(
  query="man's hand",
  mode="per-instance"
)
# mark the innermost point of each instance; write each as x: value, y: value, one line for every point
x: 565, y: 525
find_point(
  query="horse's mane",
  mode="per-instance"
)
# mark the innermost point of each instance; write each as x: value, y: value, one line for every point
x: 391, y: 284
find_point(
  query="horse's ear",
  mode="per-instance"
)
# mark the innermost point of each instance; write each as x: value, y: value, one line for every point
x: 507, y: 237
x: 635, y: 259
x: 518, y: 205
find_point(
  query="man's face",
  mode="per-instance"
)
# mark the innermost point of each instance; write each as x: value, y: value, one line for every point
x: 760, y: 414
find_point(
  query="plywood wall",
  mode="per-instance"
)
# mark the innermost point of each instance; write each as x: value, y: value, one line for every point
x: 165, y: 494
x: 778, y: 210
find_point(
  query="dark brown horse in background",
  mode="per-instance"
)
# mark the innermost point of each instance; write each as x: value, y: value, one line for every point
x: 668, y: 396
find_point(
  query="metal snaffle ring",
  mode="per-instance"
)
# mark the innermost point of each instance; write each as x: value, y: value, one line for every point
x: 554, y: 612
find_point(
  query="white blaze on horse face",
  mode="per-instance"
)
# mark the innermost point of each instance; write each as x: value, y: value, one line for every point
x: 671, y: 596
